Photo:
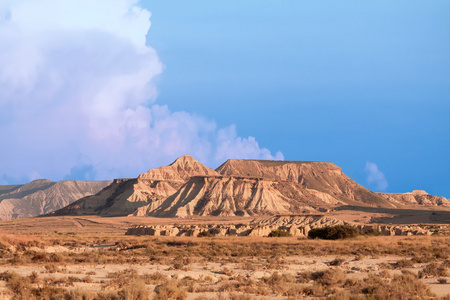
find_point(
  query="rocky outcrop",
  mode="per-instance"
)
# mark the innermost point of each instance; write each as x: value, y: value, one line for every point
x: 237, y: 188
x: 139, y: 195
x: 324, y: 179
x: 416, y: 197
x: 122, y: 197
x: 180, y: 170
x: 254, y: 187
x: 223, y: 196
x: 294, y: 224
x: 43, y: 196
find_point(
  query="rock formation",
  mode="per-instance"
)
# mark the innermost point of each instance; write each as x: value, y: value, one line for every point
x: 237, y: 188
x: 43, y: 196
x: 416, y: 197
x: 296, y: 225
x: 147, y: 192
x: 254, y: 187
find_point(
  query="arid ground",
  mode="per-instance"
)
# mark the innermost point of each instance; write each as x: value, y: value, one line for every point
x: 90, y: 257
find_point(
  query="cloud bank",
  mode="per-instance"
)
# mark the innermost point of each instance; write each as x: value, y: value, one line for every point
x: 78, y: 96
x: 375, y: 178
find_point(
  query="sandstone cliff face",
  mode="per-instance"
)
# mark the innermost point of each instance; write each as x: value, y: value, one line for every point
x: 325, y: 180
x: 416, y: 197
x: 137, y: 195
x: 223, y: 196
x: 43, y: 196
x: 252, y: 187
x: 236, y: 188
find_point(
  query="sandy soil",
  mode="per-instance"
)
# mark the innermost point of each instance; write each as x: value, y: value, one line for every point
x: 215, y: 272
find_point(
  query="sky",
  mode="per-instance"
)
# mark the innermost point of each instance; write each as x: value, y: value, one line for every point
x: 102, y: 89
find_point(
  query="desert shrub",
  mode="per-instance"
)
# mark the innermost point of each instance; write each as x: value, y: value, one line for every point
x: 154, y: 278
x: 279, y: 233
x: 282, y: 284
x: 329, y: 277
x: 120, y: 279
x: 314, y: 290
x: 170, y: 290
x: 204, y: 233
x: 236, y: 296
x: 442, y: 280
x: 372, y: 232
x: 135, y: 290
x: 277, y: 278
x: 48, y: 292
x: 433, y: 269
x: 334, y: 232
x: 50, y: 268
x: 401, y: 287
x: 345, y: 295
x: 181, y: 262
x: 337, y: 261
x: 16, y: 283
x: 33, y: 277
x: 404, y: 263
x: 80, y: 295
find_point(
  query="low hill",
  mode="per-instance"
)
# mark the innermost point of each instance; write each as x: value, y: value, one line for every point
x: 43, y: 196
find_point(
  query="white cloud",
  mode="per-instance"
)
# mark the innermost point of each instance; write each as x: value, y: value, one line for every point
x: 77, y: 87
x: 229, y: 145
x: 375, y: 178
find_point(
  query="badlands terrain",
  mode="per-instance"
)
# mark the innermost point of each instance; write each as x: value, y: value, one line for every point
x: 90, y: 257
x: 43, y: 196
x: 186, y: 231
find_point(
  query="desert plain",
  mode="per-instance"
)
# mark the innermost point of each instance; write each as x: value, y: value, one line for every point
x: 91, y: 257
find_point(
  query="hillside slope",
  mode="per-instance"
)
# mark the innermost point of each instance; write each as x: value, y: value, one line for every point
x: 43, y: 196
x: 124, y: 196
x: 236, y: 188
x: 415, y: 198
x: 255, y: 187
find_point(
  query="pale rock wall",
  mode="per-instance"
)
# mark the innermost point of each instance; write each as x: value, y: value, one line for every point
x: 298, y: 226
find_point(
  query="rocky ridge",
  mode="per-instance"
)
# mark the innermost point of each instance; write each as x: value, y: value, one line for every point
x: 255, y: 187
x: 236, y: 188
x: 43, y: 196
x: 148, y: 191
x: 296, y: 225
x: 416, y: 197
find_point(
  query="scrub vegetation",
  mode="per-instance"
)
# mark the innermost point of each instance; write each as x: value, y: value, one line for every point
x: 89, y: 266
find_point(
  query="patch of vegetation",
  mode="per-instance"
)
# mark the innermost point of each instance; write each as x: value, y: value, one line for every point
x: 337, y: 232
x: 372, y: 232
x: 279, y: 233
x: 434, y: 270
x: 205, y: 233
x: 170, y: 290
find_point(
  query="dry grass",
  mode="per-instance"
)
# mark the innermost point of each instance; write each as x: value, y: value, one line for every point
x: 166, y: 267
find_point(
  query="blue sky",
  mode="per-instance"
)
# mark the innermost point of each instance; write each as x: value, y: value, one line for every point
x: 365, y: 85
x: 346, y: 82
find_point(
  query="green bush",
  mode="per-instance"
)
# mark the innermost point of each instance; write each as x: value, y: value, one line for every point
x: 279, y: 233
x: 334, y: 232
